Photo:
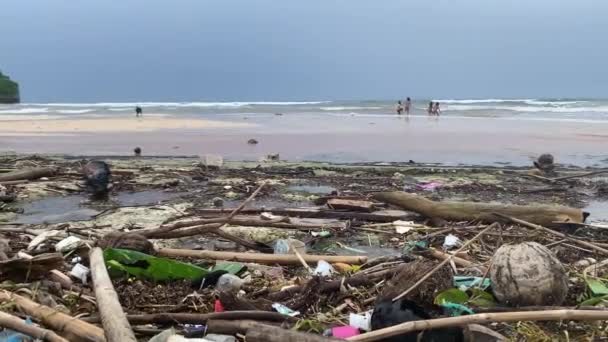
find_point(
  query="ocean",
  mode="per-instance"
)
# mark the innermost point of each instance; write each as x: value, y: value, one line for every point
x: 575, y: 110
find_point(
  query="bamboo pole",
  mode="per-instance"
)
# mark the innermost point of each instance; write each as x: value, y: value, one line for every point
x: 17, y: 324
x: 260, y: 258
x: 68, y: 326
x: 485, y: 318
x: 113, y: 319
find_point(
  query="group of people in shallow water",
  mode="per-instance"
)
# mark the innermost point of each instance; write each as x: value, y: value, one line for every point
x: 405, y: 107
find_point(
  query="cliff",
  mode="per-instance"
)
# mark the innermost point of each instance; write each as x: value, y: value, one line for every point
x: 9, y: 90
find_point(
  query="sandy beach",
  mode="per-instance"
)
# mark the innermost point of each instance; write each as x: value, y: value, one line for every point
x: 448, y: 140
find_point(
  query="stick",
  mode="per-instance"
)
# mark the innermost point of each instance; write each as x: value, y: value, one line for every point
x: 260, y: 258
x: 578, y: 176
x: 553, y: 232
x: 193, y: 318
x: 548, y: 315
x: 17, y: 324
x: 300, y: 258
x: 113, y: 319
x: 440, y: 265
x: 68, y: 326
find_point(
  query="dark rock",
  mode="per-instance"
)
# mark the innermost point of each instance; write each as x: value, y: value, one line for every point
x: 252, y: 142
x: 97, y: 177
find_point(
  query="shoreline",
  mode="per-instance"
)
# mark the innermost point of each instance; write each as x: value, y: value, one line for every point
x: 340, y: 139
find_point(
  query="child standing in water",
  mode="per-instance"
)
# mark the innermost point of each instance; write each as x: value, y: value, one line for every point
x: 408, y: 105
x: 399, y: 107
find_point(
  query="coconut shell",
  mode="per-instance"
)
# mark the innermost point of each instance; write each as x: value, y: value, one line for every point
x: 528, y: 274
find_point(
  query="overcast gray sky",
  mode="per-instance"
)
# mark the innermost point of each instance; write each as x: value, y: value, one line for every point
x: 185, y: 50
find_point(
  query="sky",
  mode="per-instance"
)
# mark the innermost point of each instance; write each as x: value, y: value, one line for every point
x: 272, y: 50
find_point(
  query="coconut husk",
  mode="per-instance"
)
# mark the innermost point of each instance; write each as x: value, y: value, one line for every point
x: 132, y: 241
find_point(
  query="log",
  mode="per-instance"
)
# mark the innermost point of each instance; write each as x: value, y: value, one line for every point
x: 113, y: 319
x: 312, y: 212
x: 268, y: 333
x: 353, y: 205
x: 29, y: 174
x: 69, y: 327
x: 30, y: 269
x: 547, y: 315
x: 194, y: 318
x: 260, y: 258
x: 544, y: 215
x: 17, y: 324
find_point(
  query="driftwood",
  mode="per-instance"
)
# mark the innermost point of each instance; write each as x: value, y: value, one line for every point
x: 113, y: 319
x: 260, y: 258
x: 193, y: 318
x: 17, y: 324
x: 30, y: 269
x: 437, y: 254
x: 548, y: 315
x: 29, y: 174
x: 257, y: 332
x: 349, y: 204
x: 378, y: 216
x: 470, y: 211
x: 268, y: 333
x: 69, y: 327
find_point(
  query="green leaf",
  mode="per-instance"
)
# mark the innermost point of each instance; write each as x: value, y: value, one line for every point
x: 593, y: 301
x: 230, y: 267
x: 451, y: 296
x: 140, y: 265
x: 596, y: 286
x: 482, y: 299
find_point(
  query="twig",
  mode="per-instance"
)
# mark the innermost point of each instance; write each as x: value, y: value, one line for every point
x: 484, y: 318
x: 553, y: 232
x: 440, y: 265
x: 304, y: 263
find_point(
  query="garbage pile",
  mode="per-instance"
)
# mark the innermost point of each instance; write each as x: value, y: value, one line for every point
x: 385, y: 253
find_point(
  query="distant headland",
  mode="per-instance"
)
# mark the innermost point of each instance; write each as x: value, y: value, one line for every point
x: 9, y: 90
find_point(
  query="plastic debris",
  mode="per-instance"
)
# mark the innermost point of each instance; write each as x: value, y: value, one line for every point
x: 451, y: 241
x: 344, y: 332
x: 68, y: 244
x: 286, y: 246
x: 270, y: 216
x: 464, y: 283
x: 220, y: 338
x: 323, y: 269
x: 8, y: 335
x: 428, y: 186
x: 361, y: 321
x: 284, y: 310
x: 81, y: 272
x: 229, y: 283
x: 323, y: 233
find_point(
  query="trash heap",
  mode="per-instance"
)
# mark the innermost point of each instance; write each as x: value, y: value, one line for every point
x: 385, y: 253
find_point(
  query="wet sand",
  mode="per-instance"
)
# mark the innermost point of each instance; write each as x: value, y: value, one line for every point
x: 482, y: 141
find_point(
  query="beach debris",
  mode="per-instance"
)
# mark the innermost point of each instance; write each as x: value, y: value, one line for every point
x: 97, y: 178
x: 252, y: 142
x: 429, y: 186
x: 229, y: 283
x: 218, y: 202
x: 451, y: 241
x: 388, y: 313
x: 528, y: 274
x: 80, y: 272
x: 361, y: 321
x: 41, y: 238
x: 545, y: 164
x: 137, y: 151
x: 464, y: 283
x: 126, y: 240
x: 545, y: 215
x: 220, y: 338
x: 287, y: 246
x: 352, y: 205
x: 34, y: 268
x: 68, y: 244
x: 28, y: 174
x: 344, y: 331
x: 324, y: 269
x: 284, y: 310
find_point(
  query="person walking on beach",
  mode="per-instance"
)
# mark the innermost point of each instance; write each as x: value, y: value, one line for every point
x: 408, y: 105
x: 430, y: 109
x: 399, y: 107
x: 138, y: 111
x: 436, y: 109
